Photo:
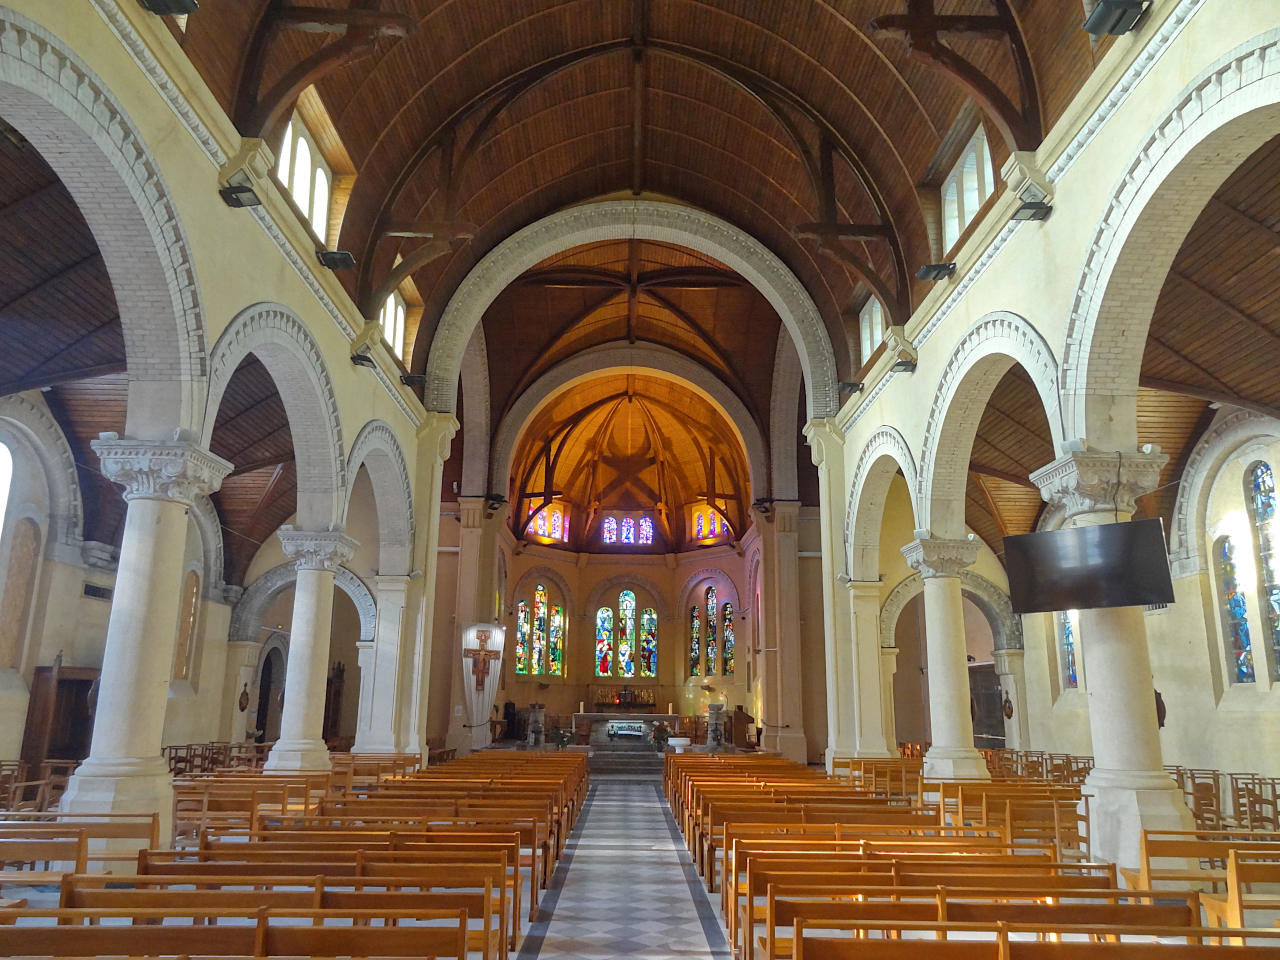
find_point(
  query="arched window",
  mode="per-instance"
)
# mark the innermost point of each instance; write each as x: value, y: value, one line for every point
x: 698, y: 526
x: 626, y: 628
x: 726, y: 622
x: 950, y: 215
x: 1235, y: 614
x: 286, y: 152
x: 648, y: 642
x: 304, y: 172
x: 628, y: 530
x: 711, y: 644
x: 695, y: 643
x: 19, y: 585
x: 1260, y: 496
x: 620, y: 651
x: 540, y: 523
x: 185, y: 651
x: 609, y: 530
x: 555, y: 524
x: 1067, y: 637
x: 300, y: 185
x: 604, y: 642
x: 540, y: 626
x: 646, y: 530
x: 320, y: 206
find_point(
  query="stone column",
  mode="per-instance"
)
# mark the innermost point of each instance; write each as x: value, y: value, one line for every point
x: 870, y: 733
x: 1011, y: 670
x: 469, y: 607
x: 316, y: 555
x: 379, y: 719
x: 888, y: 668
x: 434, y: 436
x: 161, y: 479
x: 952, y: 754
x: 826, y: 444
x: 1128, y: 790
x: 783, y: 715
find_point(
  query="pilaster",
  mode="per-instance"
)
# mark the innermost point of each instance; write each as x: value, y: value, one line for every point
x: 783, y: 714
x: 872, y: 737
x: 1011, y: 669
x: 379, y: 720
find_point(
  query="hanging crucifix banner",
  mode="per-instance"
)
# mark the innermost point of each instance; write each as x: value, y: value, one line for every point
x: 481, y: 667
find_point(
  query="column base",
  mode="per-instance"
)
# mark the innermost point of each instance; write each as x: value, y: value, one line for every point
x: 955, y: 763
x: 837, y: 750
x: 790, y: 744
x: 297, y: 756
x: 373, y: 746
x: 1123, y: 803
x: 127, y: 785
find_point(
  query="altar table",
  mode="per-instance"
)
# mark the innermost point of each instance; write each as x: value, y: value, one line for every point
x: 596, y: 725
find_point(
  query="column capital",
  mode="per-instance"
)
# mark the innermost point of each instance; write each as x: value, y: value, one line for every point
x: 826, y: 440
x: 316, y: 550
x: 940, y: 558
x: 174, y: 469
x: 471, y: 512
x: 391, y: 583
x: 864, y: 590
x: 436, y: 432
x: 1100, y: 481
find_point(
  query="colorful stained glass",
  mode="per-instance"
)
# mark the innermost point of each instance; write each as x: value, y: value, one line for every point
x: 1262, y: 510
x: 556, y: 519
x: 522, y: 637
x: 564, y: 529
x: 609, y: 530
x: 628, y: 530
x: 1069, y: 678
x: 695, y: 643
x: 648, y: 642
x: 698, y: 526
x: 713, y: 651
x: 726, y: 627
x: 1235, y: 615
x: 540, y: 523
x: 712, y: 526
x: 604, y: 642
x: 626, y: 631
x: 646, y: 530
x: 538, y: 661
x: 555, y: 643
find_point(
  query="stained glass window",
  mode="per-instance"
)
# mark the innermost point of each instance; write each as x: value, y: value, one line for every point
x: 1261, y: 496
x: 604, y: 642
x: 628, y: 530
x: 556, y: 520
x: 713, y: 652
x: 609, y: 530
x: 626, y: 629
x: 555, y: 643
x: 540, y: 523
x: 538, y: 660
x: 1069, y: 677
x: 698, y: 526
x: 726, y: 626
x: 695, y: 643
x: 1235, y: 614
x: 648, y: 642
x: 646, y: 530
x: 564, y: 528
x: 522, y: 637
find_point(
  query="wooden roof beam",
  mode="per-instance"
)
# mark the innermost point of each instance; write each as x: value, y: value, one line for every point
x: 63, y: 376
x: 1208, y: 395
x: 984, y: 471
x: 341, y: 21
x: 1230, y: 309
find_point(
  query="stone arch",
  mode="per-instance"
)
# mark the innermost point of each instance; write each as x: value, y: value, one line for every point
x: 284, y: 345
x: 700, y: 577
x: 645, y: 220
x: 983, y: 355
x: 612, y: 586
x: 543, y: 574
x: 622, y: 357
x: 784, y: 414
x: 246, y: 618
x: 994, y: 603
x: 1217, y: 121
x: 52, y: 97
x: 886, y: 452
x: 1230, y: 431
x: 475, y: 416
x: 378, y: 450
x: 29, y: 416
x: 205, y: 517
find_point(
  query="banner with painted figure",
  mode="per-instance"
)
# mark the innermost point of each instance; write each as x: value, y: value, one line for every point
x: 482, y: 645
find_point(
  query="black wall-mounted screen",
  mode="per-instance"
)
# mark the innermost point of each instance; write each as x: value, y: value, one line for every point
x: 1111, y: 565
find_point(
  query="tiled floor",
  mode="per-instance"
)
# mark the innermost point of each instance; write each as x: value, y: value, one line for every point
x: 625, y: 887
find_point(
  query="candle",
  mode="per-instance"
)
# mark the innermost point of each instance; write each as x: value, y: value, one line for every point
x: 581, y: 706
x: 670, y: 710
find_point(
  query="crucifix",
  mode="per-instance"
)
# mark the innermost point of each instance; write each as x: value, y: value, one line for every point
x: 480, y: 658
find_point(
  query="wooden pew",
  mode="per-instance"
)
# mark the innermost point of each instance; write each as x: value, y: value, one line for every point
x: 69, y: 850
x: 1244, y: 869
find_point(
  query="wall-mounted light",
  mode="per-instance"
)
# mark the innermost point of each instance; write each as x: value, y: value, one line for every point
x: 239, y: 195
x: 169, y: 8
x: 848, y: 387
x: 336, y: 259
x: 361, y: 358
x: 937, y: 271
x: 413, y: 379
x: 1114, y: 17
x: 1032, y: 210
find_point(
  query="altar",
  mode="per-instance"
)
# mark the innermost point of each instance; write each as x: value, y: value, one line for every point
x: 619, y: 727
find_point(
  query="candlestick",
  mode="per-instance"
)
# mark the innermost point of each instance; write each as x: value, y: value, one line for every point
x: 581, y: 706
x: 670, y: 709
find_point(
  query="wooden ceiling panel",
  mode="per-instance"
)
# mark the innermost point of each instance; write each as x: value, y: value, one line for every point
x: 84, y: 409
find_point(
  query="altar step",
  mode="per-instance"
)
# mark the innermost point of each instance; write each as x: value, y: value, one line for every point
x: 630, y: 760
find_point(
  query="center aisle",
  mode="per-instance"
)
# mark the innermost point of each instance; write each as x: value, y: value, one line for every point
x: 625, y: 886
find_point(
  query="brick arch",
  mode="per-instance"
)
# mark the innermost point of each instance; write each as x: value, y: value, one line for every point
x: 476, y: 416
x: 1006, y: 626
x: 52, y: 97
x: 1214, y: 124
x: 784, y: 414
x: 284, y: 345
x: 885, y: 453
x: 645, y: 220
x: 378, y: 450
x: 207, y: 524
x: 983, y: 355
x: 246, y: 618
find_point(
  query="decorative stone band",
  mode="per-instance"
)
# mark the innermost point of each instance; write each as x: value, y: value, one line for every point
x: 160, y: 469
x: 940, y: 558
x: 316, y: 550
x: 1096, y: 481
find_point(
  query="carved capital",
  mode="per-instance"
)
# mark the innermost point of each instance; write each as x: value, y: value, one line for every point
x: 826, y: 440
x: 940, y: 558
x: 436, y: 432
x: 316, y: 550
x: 1095, y: 481
x: 160, y: 469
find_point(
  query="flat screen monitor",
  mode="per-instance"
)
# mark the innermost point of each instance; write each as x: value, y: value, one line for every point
x: 1110, y: 565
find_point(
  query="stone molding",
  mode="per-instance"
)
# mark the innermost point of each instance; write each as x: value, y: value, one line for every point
x: 378, y: 450
x: 612, y: 586
x: 542, y: 574
x: 476, y: 415
x: 207, y: 523
x: 1095, y: 481
x: 28, y: 414
x: 963, y: 392
x: 286, y: 347
x: 643, y: 219
x: 174, y: 469
x: 1006, y: 626
x: 1220, y: 93
x: 316, y: 549
x: 699, y: 580
x: 861, y: 528
x: 251, y: 606
x: 935, y: 557
x: 784, y: 413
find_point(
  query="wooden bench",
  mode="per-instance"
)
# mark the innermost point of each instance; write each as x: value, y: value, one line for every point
x: 1244, y: 869
x: 1189, y: 849
x: 23, y: 851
